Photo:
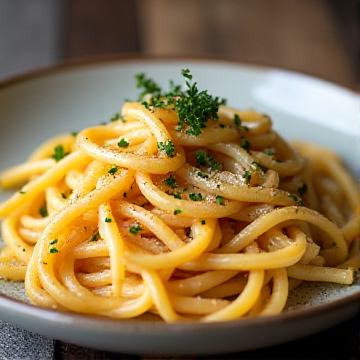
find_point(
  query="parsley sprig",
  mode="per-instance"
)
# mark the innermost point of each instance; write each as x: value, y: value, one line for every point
x: 59, y: 153
x: 171, y: 181
x: 167, y: 147
x: 123, y: 143
x: 149, y: 86
x: 194, y: 107
x: 135, y: 229
x: 204, y: 159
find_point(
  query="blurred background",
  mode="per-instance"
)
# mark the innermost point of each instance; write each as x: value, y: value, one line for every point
x: 316, y: 37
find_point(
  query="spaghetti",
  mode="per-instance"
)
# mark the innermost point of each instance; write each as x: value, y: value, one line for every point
x: 180, y: 206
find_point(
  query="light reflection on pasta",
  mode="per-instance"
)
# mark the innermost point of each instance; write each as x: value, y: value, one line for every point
x: 182, y: 207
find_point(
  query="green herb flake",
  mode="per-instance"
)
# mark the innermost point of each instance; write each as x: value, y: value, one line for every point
x: 146, y: 104
x: 53, y: 250
x: 168, y: 148
x: 149, y: 86
x: 186, y: 73
x: 237, y: 120
x: 22, y: 192
x: 170, y: 181
x: 194, y: 108
x: 123, y: 143
x: 220, y: 200
x: 135, y: 229
x: 177, y: 211
x: 59, y: 153
x: 202, y: 174
x: 203, y: 159
x: 113, y: 170
x: 43, y: 211
x: 296, y: 199
x: 116, y: 117
x: 203, y: 222
x: 245, y: 144
x: 247, y: 176
x: 63, y: 195
x: 108, y: 220
x: 195, y: 197
x: 303, y: 190
x: 74, y: 134
x: 95, y: 237
x: 258, y: 167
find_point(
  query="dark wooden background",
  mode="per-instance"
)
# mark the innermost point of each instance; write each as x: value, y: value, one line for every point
x: 317, y: 37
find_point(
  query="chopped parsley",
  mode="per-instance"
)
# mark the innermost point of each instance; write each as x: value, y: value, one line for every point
x: 116, y: 117
x: 43, y: 211
x: 113, y: 170
x: 108, y: 220
x: 203, y: 222
x: 135, y: 229
x: 58, y: 153
x: 123, y: 143
x: 168, y: 148
x: 53, y: 250
x: 257, y: 166
x: 203, y: 159
x: 202, y: 174
x: 296, y: 199
x: 220, y: 200
x: 194, y: 107
x: 170, y: 181
x: 63, y: 195
x: 95, y: 237
x: 245, y: 144
x: 195, y: 197
x: 149, y: 86
x: 22, y: 192
x: 74, y: 134
x: 237, y: 122
x: 303, y: 190
x: 247, y: 176
x: 177, y: 211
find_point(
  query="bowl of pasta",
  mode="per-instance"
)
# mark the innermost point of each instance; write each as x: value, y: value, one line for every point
x: 152, y: 203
